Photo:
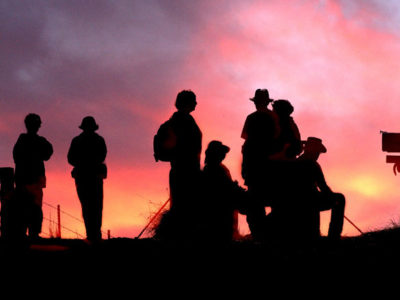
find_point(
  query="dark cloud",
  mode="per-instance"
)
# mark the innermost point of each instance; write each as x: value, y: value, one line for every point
x: 67, y: 59
x: 381, y: 15
x: 94, y: 50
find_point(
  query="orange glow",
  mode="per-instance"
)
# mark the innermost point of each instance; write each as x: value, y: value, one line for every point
x: 367, y: 186
x: 338, y: 67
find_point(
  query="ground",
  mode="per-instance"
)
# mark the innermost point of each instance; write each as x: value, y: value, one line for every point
x: 136, y: 263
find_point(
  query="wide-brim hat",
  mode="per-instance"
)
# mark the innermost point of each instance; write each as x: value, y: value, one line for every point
x: 89, y: 123
x: 217, y: 147
x: 314, y: 144
x: 283, y: 106
x: 261, y: 94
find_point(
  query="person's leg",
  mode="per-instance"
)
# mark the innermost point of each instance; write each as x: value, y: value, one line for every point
x: 256, y: 216
x: 337, y: 216
x: 336, y: 203
x: 97, y: 209
x: 35, y: 226
x: 83, y: 192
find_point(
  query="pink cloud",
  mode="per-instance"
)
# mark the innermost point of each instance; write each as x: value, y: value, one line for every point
x: 335, y: 62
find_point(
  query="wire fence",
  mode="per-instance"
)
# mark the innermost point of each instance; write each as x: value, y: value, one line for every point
x: 56, y: 232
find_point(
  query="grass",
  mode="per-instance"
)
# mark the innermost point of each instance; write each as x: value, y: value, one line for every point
x: 372, y: 255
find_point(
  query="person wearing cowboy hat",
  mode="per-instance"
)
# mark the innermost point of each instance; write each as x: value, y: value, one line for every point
x: 260, y: 132
x: 324, y: 198
x: 312, y: 148
x: 87, y: 154
x: 223, y: 195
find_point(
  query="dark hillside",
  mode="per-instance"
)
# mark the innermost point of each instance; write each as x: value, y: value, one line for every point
x: 371, y: 255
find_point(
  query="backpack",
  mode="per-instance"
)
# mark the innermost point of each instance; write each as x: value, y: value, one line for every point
x: 164, y: 142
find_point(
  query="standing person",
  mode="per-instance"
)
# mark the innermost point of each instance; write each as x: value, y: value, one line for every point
x: 178, y: 141
x: 185, y: 164
x: 323, y: 197
x: 260, y: 132
x: 289, y: 140
x: 87, y: 154
x: 29, y: 153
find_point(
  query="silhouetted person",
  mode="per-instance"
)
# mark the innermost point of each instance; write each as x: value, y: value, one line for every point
x: 184, y: 176
x: 289, y: 140
x: 222, y: 195
x: 260, y: 132
x: 87, y: 154
x: 30, y: 152
x: 323, y: 197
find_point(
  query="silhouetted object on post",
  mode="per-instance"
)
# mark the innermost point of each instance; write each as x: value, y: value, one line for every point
x: 289, y: 140
x: 323, y: 198
x: 223, y: 197
x: 391, y: 143
x: 11, y: 218
x: 87, y: 154
x: 260, y: 132
x: 181, y: 142
x: 30, y: 152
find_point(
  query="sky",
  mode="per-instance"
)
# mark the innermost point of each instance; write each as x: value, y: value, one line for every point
x: 124, y: 62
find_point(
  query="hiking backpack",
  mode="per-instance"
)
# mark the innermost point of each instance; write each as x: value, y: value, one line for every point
x: 164, y: 142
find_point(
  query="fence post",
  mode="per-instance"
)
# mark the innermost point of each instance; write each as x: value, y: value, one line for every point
x: 59, y: 221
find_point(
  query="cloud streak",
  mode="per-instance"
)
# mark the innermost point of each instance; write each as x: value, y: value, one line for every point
x: 125, y: 61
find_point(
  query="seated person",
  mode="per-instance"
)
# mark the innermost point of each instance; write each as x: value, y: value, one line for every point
x: 222, y: 195
x: 324, y: 197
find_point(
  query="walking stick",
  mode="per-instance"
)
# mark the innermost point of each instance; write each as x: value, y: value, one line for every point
x: 348, y: 220
x: 153, y: 218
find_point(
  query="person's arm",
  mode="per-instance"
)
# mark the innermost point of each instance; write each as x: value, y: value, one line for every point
x: 103, y: 151
x: 297, y: 148
x: 47, y: 149
x: 244, y: 134
x: 275, y: 118
x: 321, y: 182
x: 72, y: 154
x: 17, y: 150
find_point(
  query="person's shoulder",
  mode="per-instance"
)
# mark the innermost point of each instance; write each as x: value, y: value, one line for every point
x: 272, y: 114
x: 99, y: 137
x: 176, y: 118
x: 176, y: 115
x: 42, y: 138
x: 251, y: 117
x: 78, y: 139
x: 22, y: 136
x: 21, y: 139
x: 253, y: 114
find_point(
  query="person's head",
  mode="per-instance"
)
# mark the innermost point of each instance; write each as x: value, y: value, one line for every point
x: 32, y: 123
x: 89, y: 124
x: 282, y: 107
x: 186, y: 101
x: 261, y: 99
x: 216, y: 152
x: 313, y: 147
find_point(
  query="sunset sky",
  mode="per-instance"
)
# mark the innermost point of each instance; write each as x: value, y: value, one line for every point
x: 123, y: 62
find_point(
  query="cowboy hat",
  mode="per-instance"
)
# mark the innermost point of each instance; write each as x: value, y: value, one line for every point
x: 314, y: 144
x: 261, y: 94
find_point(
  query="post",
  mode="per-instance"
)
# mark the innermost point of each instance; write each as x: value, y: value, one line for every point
x: 59, y: 221
x: 108, y: 234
